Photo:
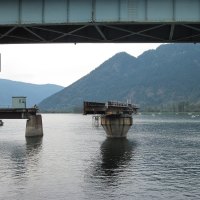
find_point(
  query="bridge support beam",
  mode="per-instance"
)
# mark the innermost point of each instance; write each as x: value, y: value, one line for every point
x: 34, y: 126
x: 116, y: 126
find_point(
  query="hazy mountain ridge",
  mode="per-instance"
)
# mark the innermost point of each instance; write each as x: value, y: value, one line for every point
x: 167, y: 75
x: 35, y: 93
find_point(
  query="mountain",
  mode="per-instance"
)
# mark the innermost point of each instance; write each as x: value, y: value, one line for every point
x: 163, y: 77
x: 34, y: 93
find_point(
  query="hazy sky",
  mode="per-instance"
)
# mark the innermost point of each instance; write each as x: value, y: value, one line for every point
x: 60, y: 64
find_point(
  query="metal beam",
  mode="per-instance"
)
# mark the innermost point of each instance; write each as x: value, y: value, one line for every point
x: 30, y: 31
x: 8, y: 32
x: 100, y: 32
x: 171, y: 32
x: 50, y: 21
x: 69, y: 33
x: 78, y: 11
x: 132, y: 33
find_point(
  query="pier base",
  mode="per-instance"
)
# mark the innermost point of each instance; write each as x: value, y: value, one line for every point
x: 34, y: 126
x: 116, y: 126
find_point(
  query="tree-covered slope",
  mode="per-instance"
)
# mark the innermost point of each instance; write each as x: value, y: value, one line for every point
x: 167, y: 75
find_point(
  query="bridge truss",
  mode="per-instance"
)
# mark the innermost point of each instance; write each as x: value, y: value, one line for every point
x: 96, y: 21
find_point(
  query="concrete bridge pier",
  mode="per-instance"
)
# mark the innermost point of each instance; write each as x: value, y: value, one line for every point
x: 34, y: 126
x: 116, y: 126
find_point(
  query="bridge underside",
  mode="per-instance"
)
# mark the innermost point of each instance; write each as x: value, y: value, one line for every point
x: 101, y: 32
x: 96, y: 21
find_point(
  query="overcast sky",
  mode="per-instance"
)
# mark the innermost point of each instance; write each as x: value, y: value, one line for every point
x: 60, y: 64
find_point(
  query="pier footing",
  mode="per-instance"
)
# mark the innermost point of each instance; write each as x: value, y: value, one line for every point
x: 116, y: 126
x: 34, y: 126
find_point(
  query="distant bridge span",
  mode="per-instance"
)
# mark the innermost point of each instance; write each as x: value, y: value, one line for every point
x: 99, y: 21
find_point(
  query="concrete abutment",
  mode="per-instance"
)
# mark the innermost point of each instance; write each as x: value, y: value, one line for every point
x: 34, y: 127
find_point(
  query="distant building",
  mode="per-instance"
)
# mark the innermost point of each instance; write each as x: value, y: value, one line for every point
x: 19, y: 102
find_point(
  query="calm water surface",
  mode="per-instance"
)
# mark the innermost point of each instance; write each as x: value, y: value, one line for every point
x: 160, y: 159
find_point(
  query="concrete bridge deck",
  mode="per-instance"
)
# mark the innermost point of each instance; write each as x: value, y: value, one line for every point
x: 34, y: 121
x: 17, y: 113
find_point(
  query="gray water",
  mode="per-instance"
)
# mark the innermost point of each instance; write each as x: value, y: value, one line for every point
x: 160, y: 159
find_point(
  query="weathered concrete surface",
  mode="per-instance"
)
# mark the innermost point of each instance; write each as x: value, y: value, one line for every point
x: 34, y: 126
x: 116, y: 126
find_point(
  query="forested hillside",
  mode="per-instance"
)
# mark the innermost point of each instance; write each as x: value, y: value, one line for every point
x: 167, y: 78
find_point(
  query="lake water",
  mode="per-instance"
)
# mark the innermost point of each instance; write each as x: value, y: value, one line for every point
x: 160, y: 159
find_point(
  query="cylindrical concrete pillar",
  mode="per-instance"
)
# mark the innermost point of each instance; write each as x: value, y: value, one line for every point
x: 34, y: 126
x: 116, y: 125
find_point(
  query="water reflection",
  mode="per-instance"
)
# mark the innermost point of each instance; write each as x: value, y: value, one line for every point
x: 33, y: 145
x: 115, y: 156
x: 22, y: 158
x: 115, y: 153
x: 109, y: 169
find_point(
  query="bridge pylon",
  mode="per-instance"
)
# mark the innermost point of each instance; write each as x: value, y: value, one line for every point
x: 34, y: 120
x: 34, y: 126
x: 116, y: 117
